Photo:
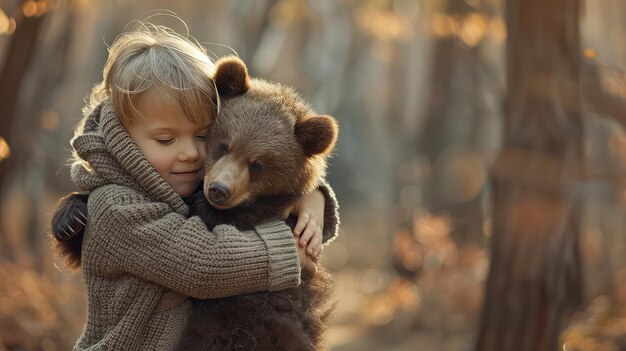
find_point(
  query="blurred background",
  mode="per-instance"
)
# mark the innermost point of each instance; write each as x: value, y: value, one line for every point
x: 480, y: 167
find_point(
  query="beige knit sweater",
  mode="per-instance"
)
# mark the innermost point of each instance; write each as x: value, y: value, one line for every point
x: 141, y: 254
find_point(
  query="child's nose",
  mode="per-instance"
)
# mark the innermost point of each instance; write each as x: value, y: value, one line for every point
x: 189, y: 152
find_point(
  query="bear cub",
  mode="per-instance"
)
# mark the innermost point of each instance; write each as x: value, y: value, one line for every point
x: 266, y: 149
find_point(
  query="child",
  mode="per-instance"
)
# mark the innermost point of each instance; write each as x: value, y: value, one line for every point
x: 141, y: 151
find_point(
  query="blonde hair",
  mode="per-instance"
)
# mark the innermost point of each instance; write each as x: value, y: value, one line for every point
x: 155, y: 60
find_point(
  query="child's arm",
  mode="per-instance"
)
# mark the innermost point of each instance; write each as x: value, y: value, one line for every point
x: 330, y: 214
x: 318, y: 219
x: 130, y: 235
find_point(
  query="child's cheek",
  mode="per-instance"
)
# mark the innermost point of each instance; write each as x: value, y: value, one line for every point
x: 204, y: 155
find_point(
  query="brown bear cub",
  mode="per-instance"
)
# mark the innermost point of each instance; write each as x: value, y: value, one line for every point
x: 267, y: 148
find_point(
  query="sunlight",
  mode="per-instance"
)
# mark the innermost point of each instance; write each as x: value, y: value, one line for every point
x: 497, y: 29
x: 452, y: 173
x: 473, y: 29
x: 7, y: 24
x: 443, y: 25
x: 590, y: 53
x: 29, y: 8
x: 5, y: 150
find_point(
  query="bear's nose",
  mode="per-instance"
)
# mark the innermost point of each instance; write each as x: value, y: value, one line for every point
x: 218, y: 193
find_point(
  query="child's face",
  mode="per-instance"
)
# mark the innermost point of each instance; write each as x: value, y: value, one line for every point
x: 174, y: 145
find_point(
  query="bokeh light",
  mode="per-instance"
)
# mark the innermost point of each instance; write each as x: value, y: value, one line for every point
x: 5, y: 150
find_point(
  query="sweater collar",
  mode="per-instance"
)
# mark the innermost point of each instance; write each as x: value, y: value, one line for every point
x: 110, y: 156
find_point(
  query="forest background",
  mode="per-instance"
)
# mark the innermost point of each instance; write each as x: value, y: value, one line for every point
x: 480, y: 169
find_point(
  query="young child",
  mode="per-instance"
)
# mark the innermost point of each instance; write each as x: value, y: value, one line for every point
x: 140, y: 151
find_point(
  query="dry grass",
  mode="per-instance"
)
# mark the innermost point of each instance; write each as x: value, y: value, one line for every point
x: 39, y: 310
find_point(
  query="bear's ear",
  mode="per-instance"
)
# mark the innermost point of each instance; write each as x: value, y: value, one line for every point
x: 231, y: 77
x: 317, y: 134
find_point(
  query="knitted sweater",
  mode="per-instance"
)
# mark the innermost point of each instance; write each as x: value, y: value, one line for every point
x: 142, y: 256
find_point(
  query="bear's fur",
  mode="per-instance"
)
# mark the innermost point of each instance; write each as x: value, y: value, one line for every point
x: 267, y: 148
x: 67, y: 226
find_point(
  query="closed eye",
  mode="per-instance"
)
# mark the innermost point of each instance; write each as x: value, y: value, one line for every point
x: 165, y: 141
x: 201, y: 137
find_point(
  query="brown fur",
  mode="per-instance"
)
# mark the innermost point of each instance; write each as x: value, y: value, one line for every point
x: 271, y: 126
x: 293, y: 319
x: 232, y: 78
x: 71, y: 212
x: 317, y: 135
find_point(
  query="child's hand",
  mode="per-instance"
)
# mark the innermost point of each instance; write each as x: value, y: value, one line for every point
x: 306, y: 263
x: 308, y: 229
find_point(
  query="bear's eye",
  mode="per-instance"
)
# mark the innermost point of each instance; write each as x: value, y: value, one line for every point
x: 222, y: 149
x: 255, y: 166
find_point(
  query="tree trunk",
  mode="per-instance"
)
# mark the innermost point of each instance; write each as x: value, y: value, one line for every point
x: 18, y: 57
x: 19, y: 53
x: 535, y: 279
x: 440, y: 136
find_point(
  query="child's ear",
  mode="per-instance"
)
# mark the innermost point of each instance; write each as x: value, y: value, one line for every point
x: 317, y: 134
x: 231, y: 77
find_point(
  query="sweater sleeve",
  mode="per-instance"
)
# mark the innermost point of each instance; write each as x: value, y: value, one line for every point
x: 149, y: 240
x: 331, y: 213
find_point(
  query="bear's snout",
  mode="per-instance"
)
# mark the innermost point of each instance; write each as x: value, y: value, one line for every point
x: 218, y: 193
